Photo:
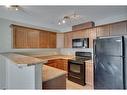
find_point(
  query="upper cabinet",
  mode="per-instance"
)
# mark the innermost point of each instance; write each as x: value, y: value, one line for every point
x: 52, y: 40
x: 103, y: 30
x: 80, y: 34
x: 24, y: 37
x: 44, y: 39
x: 33, y: 39
x: 115, y: 29
x: 92, y: 36
x: 19, y: 37
x: 47, y: 39
x: 68, y: 39
x: 119, y: 28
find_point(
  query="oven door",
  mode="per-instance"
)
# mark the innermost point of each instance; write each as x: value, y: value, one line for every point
x: 76, y: 72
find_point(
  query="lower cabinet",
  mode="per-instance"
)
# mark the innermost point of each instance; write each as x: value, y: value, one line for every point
x: 58, y: 63
x: 89, y: 73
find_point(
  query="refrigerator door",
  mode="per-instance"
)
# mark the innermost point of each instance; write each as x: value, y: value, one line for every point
x: 109, y: 46
x: 125, y: 61
x: 108, y: 72
x: 108, y: 66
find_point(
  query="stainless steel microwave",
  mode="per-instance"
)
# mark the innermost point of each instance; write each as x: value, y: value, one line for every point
x: 80, y: 43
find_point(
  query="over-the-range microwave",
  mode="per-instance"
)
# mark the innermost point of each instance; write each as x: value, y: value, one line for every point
x: 80, y: 43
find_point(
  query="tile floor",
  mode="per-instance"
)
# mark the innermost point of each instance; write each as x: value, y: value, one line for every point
x: 71, y: 85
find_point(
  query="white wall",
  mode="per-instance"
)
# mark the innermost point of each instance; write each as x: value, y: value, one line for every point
x: 6, y: 40
x: 60, y: 40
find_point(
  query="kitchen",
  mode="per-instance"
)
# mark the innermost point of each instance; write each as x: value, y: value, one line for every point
x: 32, y: 46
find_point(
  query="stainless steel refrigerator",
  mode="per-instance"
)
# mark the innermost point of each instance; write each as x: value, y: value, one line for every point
x: 110, y: 59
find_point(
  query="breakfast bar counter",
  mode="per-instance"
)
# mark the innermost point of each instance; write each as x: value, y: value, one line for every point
x: 22, y: 59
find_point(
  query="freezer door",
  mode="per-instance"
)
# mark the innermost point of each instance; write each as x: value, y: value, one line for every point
x: 108, y: 72
x: 109, y: 46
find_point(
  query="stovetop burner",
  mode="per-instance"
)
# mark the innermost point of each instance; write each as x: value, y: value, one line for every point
x: 81, y: 57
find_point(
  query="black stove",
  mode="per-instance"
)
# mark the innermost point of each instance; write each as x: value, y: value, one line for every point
x: 76, y: 67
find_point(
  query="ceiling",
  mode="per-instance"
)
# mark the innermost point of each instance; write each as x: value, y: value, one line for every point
x: 48, y: 16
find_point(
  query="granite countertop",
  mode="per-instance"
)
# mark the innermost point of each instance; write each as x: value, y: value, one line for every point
x: 22, y: 59
x: 50, y: 73
x: 51, y: 57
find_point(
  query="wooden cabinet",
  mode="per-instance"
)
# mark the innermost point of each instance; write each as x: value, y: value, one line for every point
x: 89, y: 73
x: 52, y: 40
x: 103, y: 30
x: 92, y: 36
x: 44, y: 39
x: 58, y: 63
x: 52, y: 63
x: 115, y: 29
x: 19, y: 38
x: 118, y: 29
x: 33, y: 39
x: 64, y: 63
x: 24, y: 37
x: 80, y: 34
x: 68, y: 39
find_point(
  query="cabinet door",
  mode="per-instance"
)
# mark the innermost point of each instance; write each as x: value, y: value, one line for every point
x: 103, y: 30
x: 80, y: 34
x: 89, y: 73
x: 52, y: 40
x: 33, y: 38
x: 68, y: 39
x: 58, y: 63
x: 44, y: 39
x: 52, y: 63
x: 118, y: 29
x: 65, y: 65
x: 62, y: 64
x: 20, y: 38
x: 92, y: 36
x: 86, y: 33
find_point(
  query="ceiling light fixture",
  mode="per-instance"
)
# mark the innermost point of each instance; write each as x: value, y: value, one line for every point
x: 68, y: 18
x: 59, y: 23
x: 8, y: 6
x: 13, y: 7
x: 63, y: 21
